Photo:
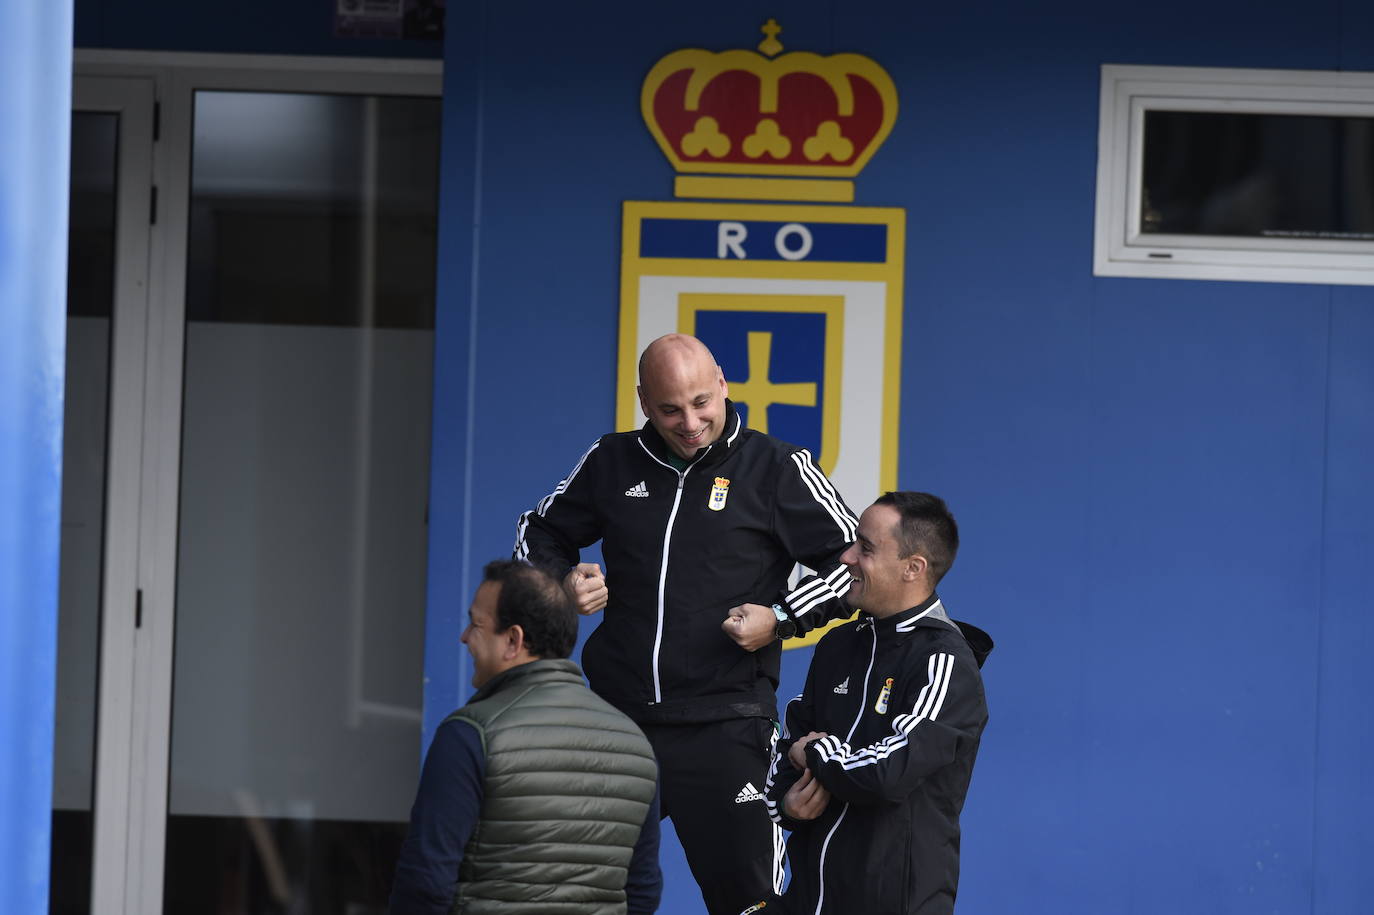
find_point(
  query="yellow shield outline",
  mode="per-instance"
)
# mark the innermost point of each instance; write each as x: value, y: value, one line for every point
x: 889, y: 272
x: 690, y: 304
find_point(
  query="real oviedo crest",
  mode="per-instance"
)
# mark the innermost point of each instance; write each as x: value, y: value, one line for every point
x: 719, y: 491
x: 798, y: 294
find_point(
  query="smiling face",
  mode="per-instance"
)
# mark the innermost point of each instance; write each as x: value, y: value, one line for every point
x: 485, y: 644
x: 682, y: 391
x: 882, y: 583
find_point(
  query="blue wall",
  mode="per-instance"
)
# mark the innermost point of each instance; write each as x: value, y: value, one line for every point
x: 35, y: 98
x: 1163, y: 485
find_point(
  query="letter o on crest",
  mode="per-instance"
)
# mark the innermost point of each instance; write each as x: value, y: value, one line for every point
x: 793, y: 252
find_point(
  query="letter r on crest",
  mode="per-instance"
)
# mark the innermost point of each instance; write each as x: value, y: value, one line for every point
x: 730, y: 238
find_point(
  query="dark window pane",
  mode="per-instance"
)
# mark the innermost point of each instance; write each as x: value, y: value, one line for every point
x: 90, y: 234
x: 313, y: 210
x: 90, y: 304
x: 69, y: 883
x: 266, y: 865
x: 1258, y: 175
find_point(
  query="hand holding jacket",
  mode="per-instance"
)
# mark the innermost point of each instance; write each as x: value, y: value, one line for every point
x: 902, y: 701
x: 806, y: 799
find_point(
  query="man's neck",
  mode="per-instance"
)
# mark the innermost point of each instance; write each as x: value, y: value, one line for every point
x: 916, y: 599
x: 521, y: 661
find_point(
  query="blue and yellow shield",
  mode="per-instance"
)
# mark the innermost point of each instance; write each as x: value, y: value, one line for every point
x: 801, y: 306
x: 781, y: 356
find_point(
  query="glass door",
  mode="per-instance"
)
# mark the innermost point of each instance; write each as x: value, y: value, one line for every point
x: 112, y: 136
x: 248, y: 463
x: 248, y: 676
x: 302, y: 539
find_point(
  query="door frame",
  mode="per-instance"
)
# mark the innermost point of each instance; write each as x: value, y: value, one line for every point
x: 132, y: 99
x: 147, y: 368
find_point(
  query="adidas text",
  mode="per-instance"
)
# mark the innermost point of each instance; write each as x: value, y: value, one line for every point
x: 638, y: 491
x: 843, y: 688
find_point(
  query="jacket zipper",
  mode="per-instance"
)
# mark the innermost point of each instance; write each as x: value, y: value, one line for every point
x: 863, y: 706
x: 663, y: 569
x: 667, y: 538
x: 663, y: 579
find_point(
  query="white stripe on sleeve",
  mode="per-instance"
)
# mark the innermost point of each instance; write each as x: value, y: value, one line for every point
x: 819, y: 590
x: 522, y: 549
x: 825, y: 495
x: 927, y: 707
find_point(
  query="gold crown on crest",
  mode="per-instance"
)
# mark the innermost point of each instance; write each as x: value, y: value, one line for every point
x: 742, y: 112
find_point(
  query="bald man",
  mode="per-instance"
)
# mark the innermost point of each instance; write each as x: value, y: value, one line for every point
x: 701, y: 522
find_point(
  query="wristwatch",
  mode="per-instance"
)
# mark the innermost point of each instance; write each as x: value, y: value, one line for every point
x: 786, y: 627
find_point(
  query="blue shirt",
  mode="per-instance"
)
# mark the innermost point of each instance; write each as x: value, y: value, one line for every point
x: 447, y: 807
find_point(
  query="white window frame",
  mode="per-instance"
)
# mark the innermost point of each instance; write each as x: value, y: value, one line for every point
x: 144, y: 485
x: 1120, y: 249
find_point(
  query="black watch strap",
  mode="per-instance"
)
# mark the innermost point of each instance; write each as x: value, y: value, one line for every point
x: 786, y: 626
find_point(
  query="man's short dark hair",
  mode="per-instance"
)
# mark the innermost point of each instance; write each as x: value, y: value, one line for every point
x: 534, y: 600
x: 926, y: 527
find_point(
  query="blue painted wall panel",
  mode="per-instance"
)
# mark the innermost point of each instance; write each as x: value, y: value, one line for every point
x: 1164, y: 522
x: 1201, y: 635
x: 453, y: 573
x: 1345, y: 729
x: 35, y: 94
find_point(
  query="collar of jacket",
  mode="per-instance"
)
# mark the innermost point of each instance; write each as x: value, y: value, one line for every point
x: 890, y: 623
x: 713, y: 453
x: 515, y: 674
x: 979, y: 642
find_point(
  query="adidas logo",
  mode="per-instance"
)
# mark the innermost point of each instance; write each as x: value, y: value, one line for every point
x: 843, y: 688
x: 748, y: 793
x: 638, y: 491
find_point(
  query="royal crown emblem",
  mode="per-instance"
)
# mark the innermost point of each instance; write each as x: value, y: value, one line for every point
x: 764, y: 113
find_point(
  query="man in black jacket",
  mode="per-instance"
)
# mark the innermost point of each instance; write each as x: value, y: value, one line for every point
x: 701, y: 522
x: 876, y: 756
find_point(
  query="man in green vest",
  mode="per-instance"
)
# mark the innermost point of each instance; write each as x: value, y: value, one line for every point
x: 536, y: 796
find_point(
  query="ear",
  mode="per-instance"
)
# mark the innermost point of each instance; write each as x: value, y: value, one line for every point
x: 643, y: 404
x: 513, y: 643
x: 724, y: 385
x: 916, y: 566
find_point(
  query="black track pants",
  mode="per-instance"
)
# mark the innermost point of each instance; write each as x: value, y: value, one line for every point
x: 712, y: 779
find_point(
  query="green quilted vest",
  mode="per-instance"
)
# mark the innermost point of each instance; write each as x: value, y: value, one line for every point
x: 568, y: 784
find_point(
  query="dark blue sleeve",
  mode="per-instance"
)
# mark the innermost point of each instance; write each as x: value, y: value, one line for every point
x: 446, y: 809
x: 644, y: 884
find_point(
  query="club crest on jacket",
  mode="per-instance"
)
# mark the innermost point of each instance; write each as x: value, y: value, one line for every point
x: 718, y: 493
x: 881, y: 705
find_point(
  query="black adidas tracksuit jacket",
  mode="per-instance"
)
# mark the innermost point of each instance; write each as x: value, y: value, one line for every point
x: 902, y: 701
x: 681, y: 549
